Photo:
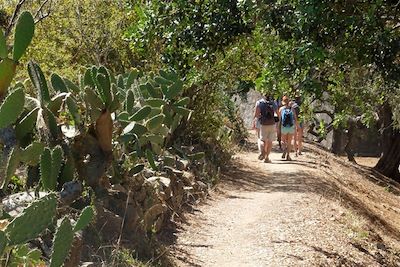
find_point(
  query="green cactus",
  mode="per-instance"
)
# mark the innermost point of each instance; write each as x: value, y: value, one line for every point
x: 155, y: 102
x: 141, y: 114
x: 32, y: 221
x: 56, y: 102
x: 130, y: 101
x: 39, y: 81
x: 138, y: 168
x: 104, y: 88
x: 58, y: 83
x: 3, y: 46
x: 184, y: 112
x: 174, y: 90
x: 51, y: 121
x: 27, y: 123
x: 93, y: 99
x: 73, y: 109
x: 62, y: 243
x: 133, y: 75
x: 150, y: 159
x: 135, y: 128
x: 87, y: 78
x: 31, y: 154
x: 45, y: 170
x: 12, y: 107
x: 183, y: 102
x: 85, y: 218
x: 155, y: 122
x: 50, y: 166
x: 24, y: 31
x: 71, y: 86
x: 148, y: 88
x: 7, y: 73
x: 162, y: 81
x: 12, y: 165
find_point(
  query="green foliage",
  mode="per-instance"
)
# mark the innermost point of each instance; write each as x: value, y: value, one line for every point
x: 7, y: 72
x: 12, y: 165
x: 62, y: 243
x: 33, y: 221
x: 31, y: 154
x: 85, y: 218
x: 50, y: 166
x: 39, y: 81
x: 26, y: 124
x: 23, y: 34
x: 12, y: 107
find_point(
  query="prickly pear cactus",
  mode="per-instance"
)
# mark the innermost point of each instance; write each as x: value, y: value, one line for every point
x: 62, y: 243
x: 33, y: 221
x: 50, y: 166
x: 85, y: 218
x: 12, y: 107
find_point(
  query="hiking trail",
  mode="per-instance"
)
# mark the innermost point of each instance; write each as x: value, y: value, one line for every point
x: 290, y: 214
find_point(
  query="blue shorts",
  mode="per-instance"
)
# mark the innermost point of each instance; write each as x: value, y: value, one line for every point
x: 287, y: 130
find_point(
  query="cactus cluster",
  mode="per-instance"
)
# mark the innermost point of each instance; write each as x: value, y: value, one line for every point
x: 129, y: 116
x: 35, y: 219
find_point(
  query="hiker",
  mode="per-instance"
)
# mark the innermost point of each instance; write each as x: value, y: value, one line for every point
x: 298, y: 137
x: 288, y: 126
x: 277, y: 124
x: 264, y: 114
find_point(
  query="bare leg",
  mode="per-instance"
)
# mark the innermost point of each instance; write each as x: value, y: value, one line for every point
x: 268, y: 148
x: 295, y: 140
x: 284, y: 145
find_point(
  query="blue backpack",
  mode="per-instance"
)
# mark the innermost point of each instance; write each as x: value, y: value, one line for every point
x: 287, y: 117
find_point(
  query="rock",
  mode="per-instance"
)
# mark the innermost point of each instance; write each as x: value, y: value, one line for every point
x: 14, y: 204
x: 70, y: 192
x: 151, y: 215
x: 159, y: 179
x: 182, y: 164
x: 188, y: 178
x: 148, y: 173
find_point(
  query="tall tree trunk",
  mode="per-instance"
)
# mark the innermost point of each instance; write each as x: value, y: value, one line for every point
x: 389, y: 163
x: 349, y: 145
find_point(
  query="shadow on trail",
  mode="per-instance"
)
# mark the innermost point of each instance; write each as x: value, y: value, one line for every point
x: 242, y: 177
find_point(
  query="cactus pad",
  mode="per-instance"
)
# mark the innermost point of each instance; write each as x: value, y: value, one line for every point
x: 85, y: 218
x: 23, y: 34
x: 62, y: 243
x: 12, y: 107
x: 33, y: 221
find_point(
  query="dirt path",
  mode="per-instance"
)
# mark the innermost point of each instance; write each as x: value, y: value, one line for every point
x: 279, y: 214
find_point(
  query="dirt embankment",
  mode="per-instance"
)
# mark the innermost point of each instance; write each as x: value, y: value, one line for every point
x: 317, y: 210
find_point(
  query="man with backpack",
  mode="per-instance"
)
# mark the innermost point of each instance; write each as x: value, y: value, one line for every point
x: 264, y: 114
x: 288, y: 124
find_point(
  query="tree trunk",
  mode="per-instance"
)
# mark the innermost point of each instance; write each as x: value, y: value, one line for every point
x: 349, y: 145
x: 389, y: 163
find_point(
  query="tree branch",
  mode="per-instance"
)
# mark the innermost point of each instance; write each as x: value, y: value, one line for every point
x: 14, y: 17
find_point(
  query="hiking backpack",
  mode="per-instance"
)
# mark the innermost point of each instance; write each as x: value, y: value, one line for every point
x: 267, y: 112
x: 287, y: 117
